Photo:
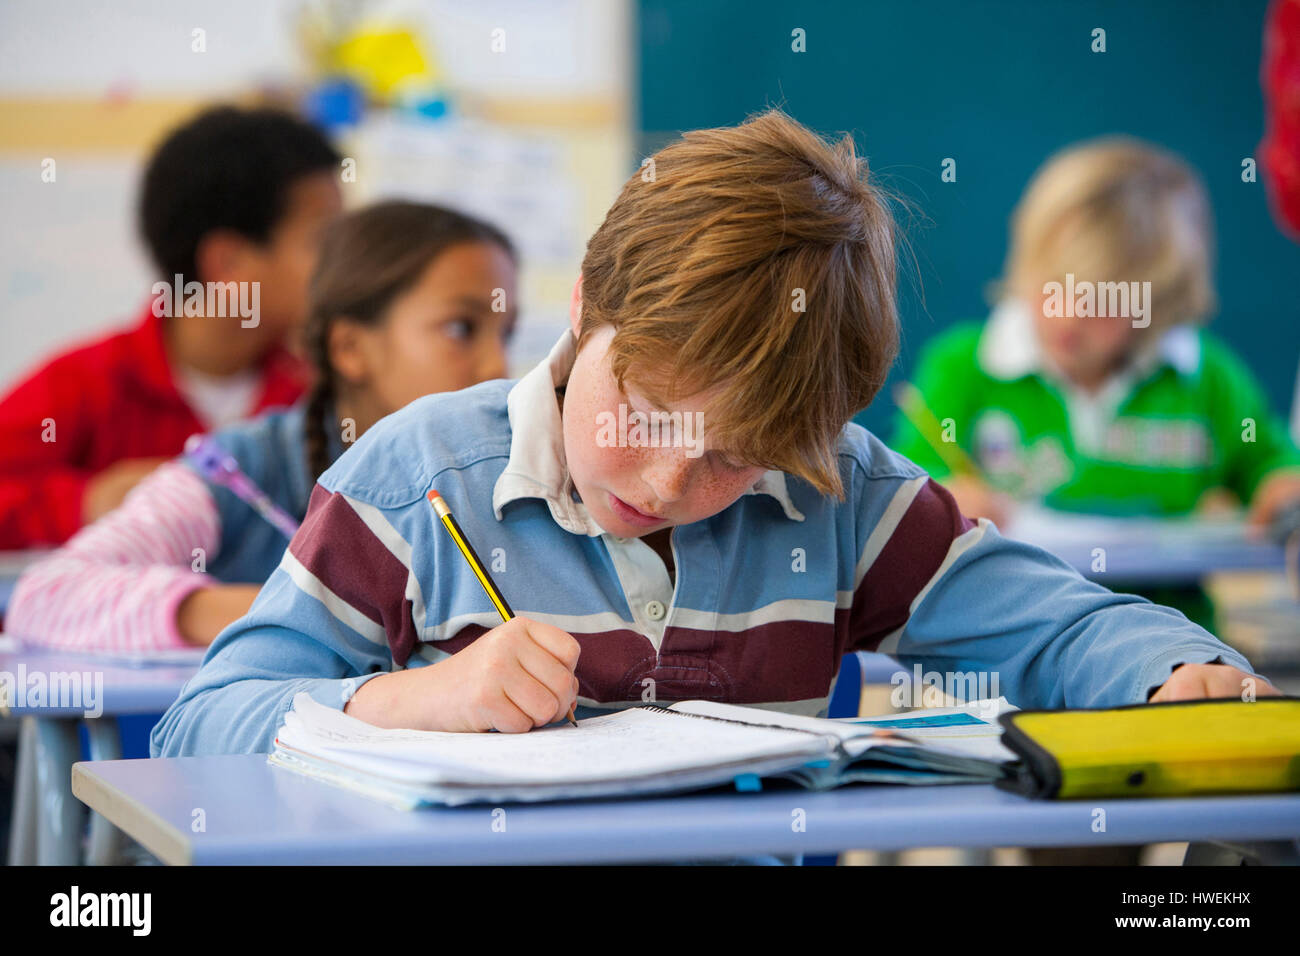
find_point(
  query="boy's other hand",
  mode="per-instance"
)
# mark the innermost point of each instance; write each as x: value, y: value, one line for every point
x: 1274, y: 494
x: 106, y: 490
x: 977, y: 500
x: 517, y: 676
x: 1198, y: 681
x: 205, y: 613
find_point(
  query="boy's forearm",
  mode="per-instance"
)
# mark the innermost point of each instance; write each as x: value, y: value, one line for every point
x: 1167, y: 640
x: 240, y: 696
x: 238, y: 716
x: 1050, y: 639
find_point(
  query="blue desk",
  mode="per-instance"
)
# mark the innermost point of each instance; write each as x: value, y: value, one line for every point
x: 47, y: 822
x: 7, y: 583
x: 241, y: 810
x: 1146, y: 551
x: 143, y: 689
x: 1145, y: 565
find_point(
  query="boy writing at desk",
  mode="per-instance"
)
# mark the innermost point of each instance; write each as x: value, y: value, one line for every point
x: 748, y: 285
x: 1120, y: 405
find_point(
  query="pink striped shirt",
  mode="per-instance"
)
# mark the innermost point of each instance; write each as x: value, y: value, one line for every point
x: 116, y: 585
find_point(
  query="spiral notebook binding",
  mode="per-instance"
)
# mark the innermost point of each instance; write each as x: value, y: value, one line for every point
x: 838, y: 743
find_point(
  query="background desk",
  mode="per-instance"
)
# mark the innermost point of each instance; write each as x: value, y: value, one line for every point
x: 1145, y: 551
x: 1138, y: 564
x: 252, y: 812
x: 47, y: 822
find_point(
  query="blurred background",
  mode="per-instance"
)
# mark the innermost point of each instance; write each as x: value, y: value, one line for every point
x: 538, y: 136
x: 998, y: 87
x: 532, y: 114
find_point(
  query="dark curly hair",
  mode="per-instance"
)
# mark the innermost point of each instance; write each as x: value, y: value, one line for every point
x: 228, y: 168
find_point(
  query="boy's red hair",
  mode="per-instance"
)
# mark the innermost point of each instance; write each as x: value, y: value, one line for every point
x: 702, y: 265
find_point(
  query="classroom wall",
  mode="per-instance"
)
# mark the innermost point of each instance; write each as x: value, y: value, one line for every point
x: 95, y: 85
x: 997, y: 86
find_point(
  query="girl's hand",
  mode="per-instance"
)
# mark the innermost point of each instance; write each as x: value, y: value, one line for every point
x: 517, y: 676
x: 204, y: 613
x: 1197, y: 681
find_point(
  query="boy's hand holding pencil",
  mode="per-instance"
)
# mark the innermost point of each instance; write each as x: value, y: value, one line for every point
x: 517, y: 676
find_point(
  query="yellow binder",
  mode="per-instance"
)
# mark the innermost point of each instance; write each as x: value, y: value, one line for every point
x: 1156, y: 750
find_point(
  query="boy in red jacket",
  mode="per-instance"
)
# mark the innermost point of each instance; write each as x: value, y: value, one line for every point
x: 231, y: 207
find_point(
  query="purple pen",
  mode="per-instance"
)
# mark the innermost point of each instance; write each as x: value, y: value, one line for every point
x: 219, y: 467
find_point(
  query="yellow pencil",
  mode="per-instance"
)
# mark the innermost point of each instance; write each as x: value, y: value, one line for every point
x: 912, y: 404
x: 493, y: 592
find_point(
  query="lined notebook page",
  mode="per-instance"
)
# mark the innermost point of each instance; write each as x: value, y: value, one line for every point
x: 978, y: 735
x: 821, y: 725
x: 630, y: 744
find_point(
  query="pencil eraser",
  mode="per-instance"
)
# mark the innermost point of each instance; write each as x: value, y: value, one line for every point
x: 433, y: 495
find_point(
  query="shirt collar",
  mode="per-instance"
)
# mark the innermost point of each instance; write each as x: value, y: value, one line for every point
x: 537, y: 467
x: 1009, y: 348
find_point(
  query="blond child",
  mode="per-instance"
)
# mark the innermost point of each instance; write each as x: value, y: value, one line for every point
x: 1092, y: 387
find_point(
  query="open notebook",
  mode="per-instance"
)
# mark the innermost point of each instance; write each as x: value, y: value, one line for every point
x: 643, y: 750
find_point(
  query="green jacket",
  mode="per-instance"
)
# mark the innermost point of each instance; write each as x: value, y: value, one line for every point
x: 1188, y: 418
x: 1174, y: 434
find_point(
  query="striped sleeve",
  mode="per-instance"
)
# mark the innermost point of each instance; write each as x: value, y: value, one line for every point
x: 913, y: 542
x: 335, y: 613
x: 351, y: 559
x: 116, y: 585
x: 988, y: 616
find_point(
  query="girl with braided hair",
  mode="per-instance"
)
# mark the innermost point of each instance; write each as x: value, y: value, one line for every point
x: 406, y: 299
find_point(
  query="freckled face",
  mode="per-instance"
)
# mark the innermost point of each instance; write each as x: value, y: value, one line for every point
x: 633, y: 491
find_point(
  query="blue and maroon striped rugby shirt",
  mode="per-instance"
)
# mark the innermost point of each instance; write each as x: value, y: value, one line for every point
x: 769, y: 594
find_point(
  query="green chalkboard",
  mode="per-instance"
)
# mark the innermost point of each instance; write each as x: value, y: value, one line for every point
x: 997, y: 86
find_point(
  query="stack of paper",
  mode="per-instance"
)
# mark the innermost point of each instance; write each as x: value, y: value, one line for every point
x: 642, y: 750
